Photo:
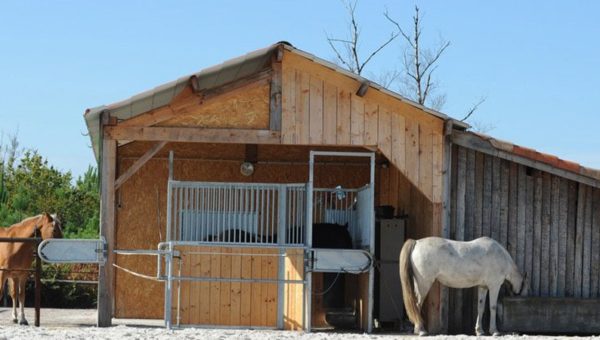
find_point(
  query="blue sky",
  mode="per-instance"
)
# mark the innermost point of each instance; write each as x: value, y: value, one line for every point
x: 536, y: 62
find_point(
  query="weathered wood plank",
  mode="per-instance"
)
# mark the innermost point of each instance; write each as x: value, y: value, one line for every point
x: 357, y: 121
x: 579, y: 235
x: 107, y: 227
x: 343, y: 117
x: 288, y: 113
x: 399, y: 141
x: 302, y: 107
x: 529, y: 224
x: 571, y: 238
x: 587, y: 244
x: 504, y: 191
x: 371, y: 123
x: 461, y: 180
x: 257, y: 299
x: 437, y: 154
x: 562, y: 236
x: 595, y: 224
x: 330, y: 105
x: 545, y: 241
x: 479, y: 180
x: 555, y: 213
x: 470, y: 196
x: 537, y: 237
x: 521, y: 215
x: 513, y: 204
x: 487, y: 195
x: 316, y: 111
x: 496, y: 187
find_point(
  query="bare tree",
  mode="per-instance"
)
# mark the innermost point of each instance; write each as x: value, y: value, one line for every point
x: 420, y: 63
x: 347, y: 49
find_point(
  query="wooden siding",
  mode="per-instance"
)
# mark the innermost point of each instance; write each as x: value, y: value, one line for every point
x: 320, y: 108
x: 549, y: 225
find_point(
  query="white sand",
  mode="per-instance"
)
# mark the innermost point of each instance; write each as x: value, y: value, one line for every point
x: 79, y: 324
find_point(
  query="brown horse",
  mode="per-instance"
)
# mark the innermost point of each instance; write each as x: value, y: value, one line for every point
x: 16, y: 258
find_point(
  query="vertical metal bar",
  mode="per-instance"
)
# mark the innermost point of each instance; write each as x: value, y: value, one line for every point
x: 262, y: 215
x: 179, y: 293
x: 168, y: 286
x: 169, y: 208
x: 371, y: 225
x: 308, y: 243
x: 281, y: 236
x: 197, y: 236
x: 38, y: 285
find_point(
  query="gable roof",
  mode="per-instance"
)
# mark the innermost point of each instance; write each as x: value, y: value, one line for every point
x: 215, y: 76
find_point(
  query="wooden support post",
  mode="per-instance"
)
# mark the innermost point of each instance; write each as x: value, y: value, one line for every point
x: 446, y: 214
x: 107, y: 226
x: 275, y: 100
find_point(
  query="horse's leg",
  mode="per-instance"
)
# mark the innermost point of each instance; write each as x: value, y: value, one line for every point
x: 480, y: 308
x: 12, y: 289
x: 493, y: 303
x: 422, y: 286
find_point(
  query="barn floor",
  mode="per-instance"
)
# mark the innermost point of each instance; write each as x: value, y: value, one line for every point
x: 79, y: 324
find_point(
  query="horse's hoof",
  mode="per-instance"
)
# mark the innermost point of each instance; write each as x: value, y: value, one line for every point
x: 480, y: 333
x: 423, y: 333
x: 15, y: 320
x: 24, y: 323
x: 496, y: 333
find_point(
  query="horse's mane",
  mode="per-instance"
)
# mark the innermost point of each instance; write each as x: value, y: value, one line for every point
x: 26, y: 220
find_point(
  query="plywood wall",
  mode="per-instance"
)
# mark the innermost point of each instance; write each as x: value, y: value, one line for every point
x: 141, y: 208
x: 549, y: 225
x: 320, y: 107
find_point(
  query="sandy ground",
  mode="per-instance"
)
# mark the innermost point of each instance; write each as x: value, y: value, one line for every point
x: 79, y: 324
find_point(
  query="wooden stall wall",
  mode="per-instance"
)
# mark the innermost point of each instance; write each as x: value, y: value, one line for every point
x: 549, y: 225
x: 320, y: 107
x: 141, y: 220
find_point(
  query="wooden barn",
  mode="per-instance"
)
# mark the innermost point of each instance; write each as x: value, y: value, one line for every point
x: 208, y: 183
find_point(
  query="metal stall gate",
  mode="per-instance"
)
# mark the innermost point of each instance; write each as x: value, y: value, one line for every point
x: 354, y: 207
x: 238, y: 225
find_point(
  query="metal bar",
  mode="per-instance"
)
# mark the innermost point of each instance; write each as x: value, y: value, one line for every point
x: 281, y: 236
x: 168, y: 286
x: 227, y: 279
x: 38, y: 287
x: 308, y: 243
x: 340, y: 154
x: 371, y: 227
x: 223, y: 244
x: 20, y: 239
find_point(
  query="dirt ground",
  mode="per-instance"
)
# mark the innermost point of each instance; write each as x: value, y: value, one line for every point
x: 80, y: 324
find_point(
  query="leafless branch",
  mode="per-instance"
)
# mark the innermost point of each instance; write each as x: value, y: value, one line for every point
x: 352, y: 61
x: 473, y: 108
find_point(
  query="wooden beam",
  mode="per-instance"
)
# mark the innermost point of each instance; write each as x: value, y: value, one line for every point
x: 275, y: 102
x: 198, y: 135
x: 138, y: 164
x: 470, y: 141
x: 107, y: 227
x: 446, y: 216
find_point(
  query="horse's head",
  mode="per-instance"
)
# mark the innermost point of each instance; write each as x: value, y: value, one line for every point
x: 520, y: 285
x: 50, y: 226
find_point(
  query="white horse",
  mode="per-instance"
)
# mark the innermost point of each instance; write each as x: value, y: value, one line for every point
x: 482, y: 262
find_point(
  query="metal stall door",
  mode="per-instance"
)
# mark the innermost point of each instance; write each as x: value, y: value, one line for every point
x: 233, y: 251
x: 362, y: 227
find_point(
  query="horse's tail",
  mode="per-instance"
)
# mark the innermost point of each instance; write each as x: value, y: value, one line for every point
x: 406, y: 276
